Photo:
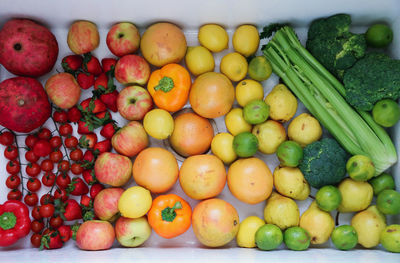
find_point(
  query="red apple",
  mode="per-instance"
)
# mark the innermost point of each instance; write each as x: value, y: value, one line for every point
x: 113, y: 169
x: 95, y: 235
x: 27, y: 48
x: 106, y: 203
x: 130, y: 139
x: 63, y: 90
x: 132, y: 232
x: 83, y: 37
x: 134, y: 102
x: 123, y: 39
x: 132, y: 69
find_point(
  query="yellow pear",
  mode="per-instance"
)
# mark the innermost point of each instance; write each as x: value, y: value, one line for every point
x: 290, y: 182
x: 356, y: 196
x: 318, y: 223
x: 281, y: 211
x: 369, y: 225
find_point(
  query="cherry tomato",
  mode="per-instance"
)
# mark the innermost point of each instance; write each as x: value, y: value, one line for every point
x: 30, y: 140
x: 65, y: 129
x: 60, y: 116
x: 46, y: 199
x: 37, y: 226
x: 47, y: 210
x: 71, y: 142
x: 11, y: 152
x: 33, y: 169
x: 76, y: 155
x: 31, y: 199
x: 48, y: 179
x: 56, y: 156
x: 42, y: 148
x: 35, y: 213
x: 14, y: 194
x: 76, y: 169
x: 13, y: 167
x: 44, y: 134
x: 36, y: 240
x: 33, y: 184
x: 63, y: 180
x: 47, y: 165
x: 6, y: 138
x: 63, y: 166
x: 56, y: 222
x: 31, y: 157
x: 61, y: 193
x: 55, y: 142
x: 13, y: 181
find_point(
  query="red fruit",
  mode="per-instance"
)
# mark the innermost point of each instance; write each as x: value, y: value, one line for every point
x: 71, y: 142
x: 36, y: 213
x: 36, y: 240
x: 110, y: 100
x: 24, y: 105
x: 107, y: 63
x: 93, y: 105
x: 46, y: 199
x: 48, y: 179
x: 83, y: 127
x: 11, y: 152
x: 103, y: 146
x: 13, y: 167
x: 101, y: 81
x: 88, y: 141
x: 77, y: 187
x: 42, y: 148
x: 91, y: 64
x: 65, y: 233
x: 33, y: 184
x: 63, y: 166
x: 63, y: 180
x: 31, y: 199
x: 6, y: 138
x: 37, y: 226
x: 44, y: 134
x: 85, y: 200
x: 88, y: 156
x: 76, y: 155
x: 89, y: 176
x: 47, y: 165
x: 85, y: 80
x: 46, y: 210
x: 56, y: 222
x: 104, y: 116
x: 30, y: 140
x: 95, y: 189
x: 13, y: 181
x: 55, y: 142
x: 27, y: 48
x: 31, y: 157
x: 72, y: 210
x: 65, y: 130
x: 33, y: 169
x: 51, y: 240
x: 76, y: 169
x: 108, y: 130
x: 14, y: 194
x: 60, y: 116
x: 56, y: 156
x: 74, y: 114
x: 61, y: 194
x: 71, y: 63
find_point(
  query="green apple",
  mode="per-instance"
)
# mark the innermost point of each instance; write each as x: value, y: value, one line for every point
x: 132, y: 232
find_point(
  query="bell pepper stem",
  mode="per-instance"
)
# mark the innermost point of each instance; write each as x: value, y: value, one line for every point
x: 168, y: 214
x: 8, y: 220
x: 165, y: 84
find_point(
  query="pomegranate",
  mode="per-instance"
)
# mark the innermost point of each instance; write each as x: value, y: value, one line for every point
x: 27, y: 48
x: 24, y: 105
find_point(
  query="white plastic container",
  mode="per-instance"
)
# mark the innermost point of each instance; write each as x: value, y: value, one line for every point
x: 189, y: 15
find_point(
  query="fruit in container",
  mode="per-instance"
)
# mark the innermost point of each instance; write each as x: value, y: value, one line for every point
x: 222, y: 147
x: 83, y: 37
x: 379, y: 35
x: 289, y: 153
x: 132, y: 69
x: 290, y: 182
x: 304, y: 129
x: 234, y: 66
x: 95, y: 235
x: 356, y: 195
x: 281, y: 211
x: 328, y: 198
x: 215, y: 222
x: 388, y: 202
x: 212, y: 95
x: 250, y: 180
x: 282, y: 103
x: 202, y: 176
x: 386, y: 112
x: 113, y: 169
x: 270, y: 135
x: 27, y: 48
x: 382, y: 182
x: 105, y: 203
x: 344, y: 237
x: 24, y: 105
x: 246, y: 39
x: 259, y: 68
x: 296, y: 238
x: 390, y: 238
x: 199, y: 60
x: 268, y: 237
x: 123, y: 38
x: 245, y: 144
x: 246, y: 236
x: 192, y: 134
x: 158, y: 123
x: 256, y: 112
x: 360, y: 168
x: 132, y: 232
x: 63, y: 90
x: 163, y: 43
x: 133, y: 102
x: 156, y: 169
x: 248, y: 90
x: 130, y: 139
x: 135, y: 202
x: 235, y: 122
x: 213, y: 37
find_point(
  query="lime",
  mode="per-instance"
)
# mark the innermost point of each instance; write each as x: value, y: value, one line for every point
x: 296, y: 238
x: 269, y: 237
x: 386, y: 112
x: 390, y: 238
x: 328, y: 198
x: 246, y: 39
x: 213, y: 37
x: 234, y: 66
x: 199, y: 60
x: 245, y: 144
x: 360, y: 168
x: 344, y: 237
x: 256, y: 112
x: 259, y: 68
x: 379, y: 35
x: 289, y: 153
x: 388, y: 202
x: 382, y: 182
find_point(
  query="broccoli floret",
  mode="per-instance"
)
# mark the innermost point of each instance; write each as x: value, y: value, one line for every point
x: 324, y: 163
x: 333, y: 45
x: 373, y: 78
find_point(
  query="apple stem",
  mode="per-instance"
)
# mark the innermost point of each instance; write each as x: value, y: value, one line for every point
x: 165, y: 84
x: 168, y: 213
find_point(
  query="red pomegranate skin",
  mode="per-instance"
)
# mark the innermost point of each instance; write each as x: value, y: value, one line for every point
x: 27, y: 48
x: 24, y: 105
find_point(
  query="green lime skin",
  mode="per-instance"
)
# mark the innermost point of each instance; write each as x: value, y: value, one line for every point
x: 268, y: 237
x: 259, y: 68
x: 382, y: 182
x: 390, y: 238
x: 328, y: 198
x: 296, y: 238
x: 256, y: 112
x: 290, y: 153
x: 344, y: 237
x: 386, y: 112
x: 245, y: 144
x: 360, y: 168
x: 388, y: 202
x: 379, y: 36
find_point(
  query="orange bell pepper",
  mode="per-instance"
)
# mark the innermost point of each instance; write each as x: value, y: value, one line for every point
x: 169, y: 87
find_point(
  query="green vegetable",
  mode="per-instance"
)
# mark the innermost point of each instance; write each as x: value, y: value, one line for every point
x: 333, y: 45
x: 324, y: 163
x: 371, y: 79
x: 322, y: 94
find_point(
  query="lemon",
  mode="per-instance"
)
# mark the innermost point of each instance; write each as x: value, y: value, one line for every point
x: 222, y: 147
x: 245, y: 40
x: 235, y: 122
x: 247, y: 231
x: 158, y: 123
x: 213, y: 37
x: 259, y: 68
x: 134, y: 202
x: 234, y: 66
x: 248, y: 90
x: 199, y: 60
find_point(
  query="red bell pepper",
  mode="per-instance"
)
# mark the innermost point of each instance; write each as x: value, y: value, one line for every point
x: 15, y: 222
